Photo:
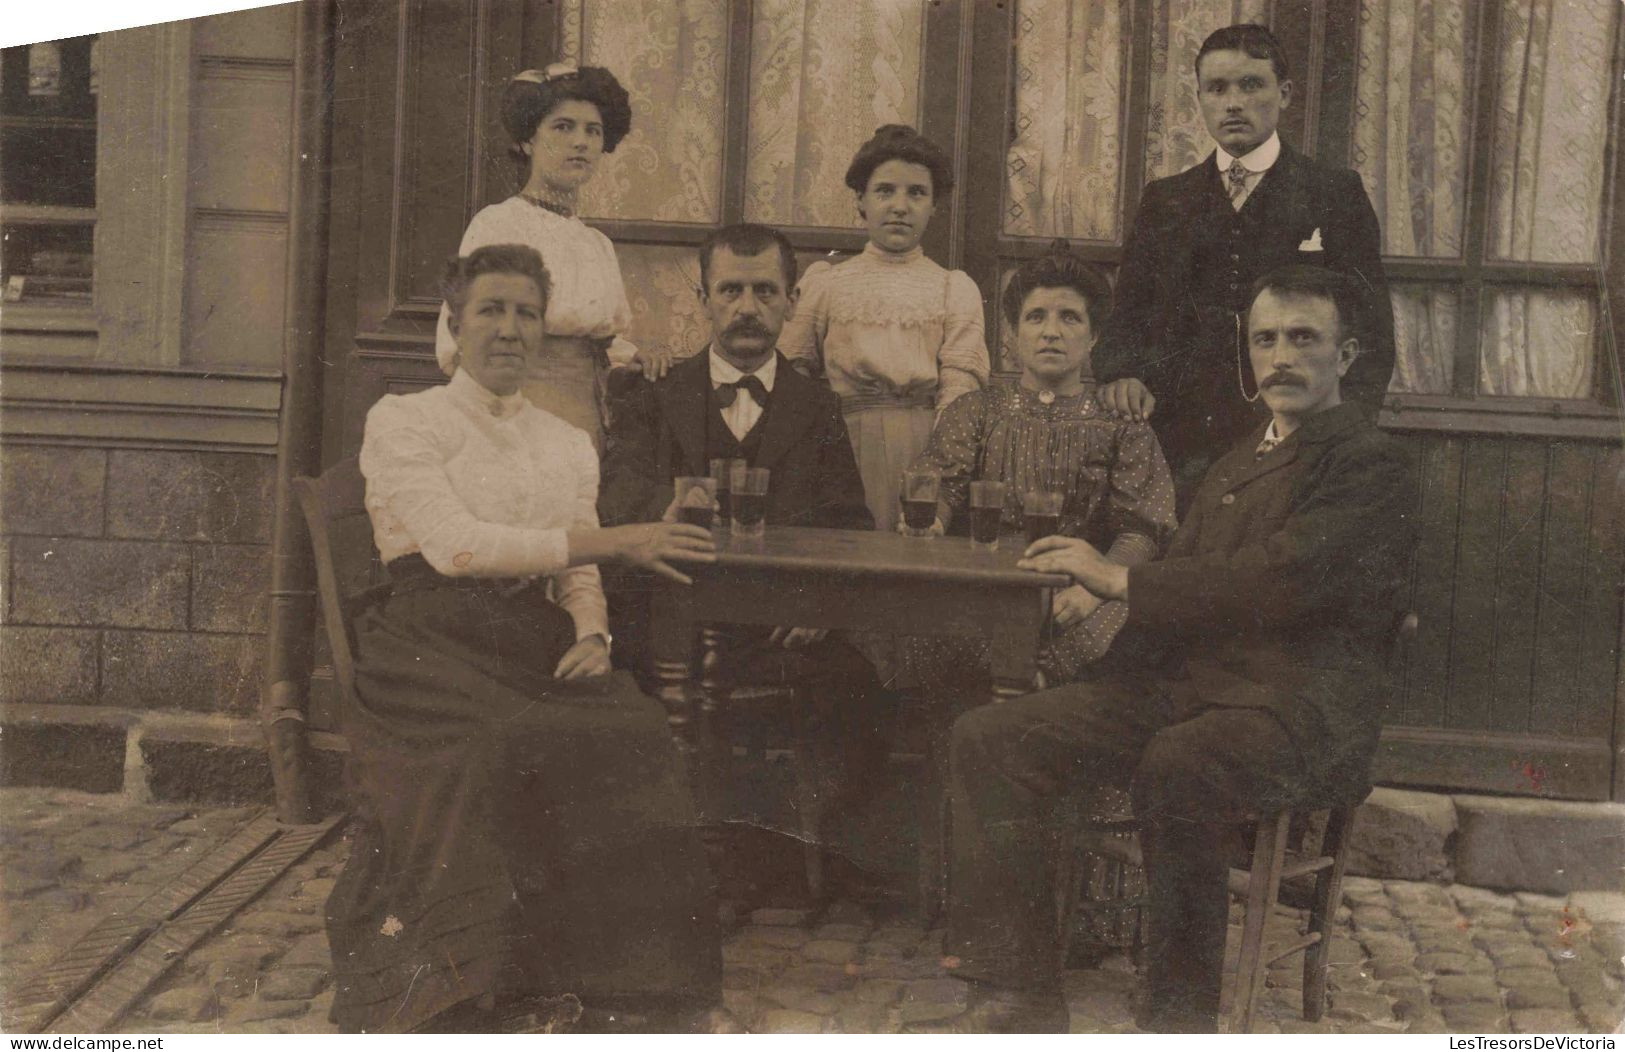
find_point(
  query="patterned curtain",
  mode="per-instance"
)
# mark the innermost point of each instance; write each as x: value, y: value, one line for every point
x: 1546, y: 190
x: 1410, y: 146
x: 1064, y: 161
x: 824, y: 75
x: 670, y: 56
x: 1176, y: 138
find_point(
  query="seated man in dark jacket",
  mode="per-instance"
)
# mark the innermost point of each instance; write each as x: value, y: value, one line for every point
x: 1250, y: 676
x: 740, y: 399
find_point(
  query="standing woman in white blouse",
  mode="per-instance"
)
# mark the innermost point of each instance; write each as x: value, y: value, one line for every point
x: 562, y: 121
x: 524, y: 830
x: 898, y: 336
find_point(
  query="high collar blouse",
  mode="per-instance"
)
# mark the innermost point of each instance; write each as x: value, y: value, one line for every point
x: 587, y: 297
x: 885, y: 323
x: 484, y: 485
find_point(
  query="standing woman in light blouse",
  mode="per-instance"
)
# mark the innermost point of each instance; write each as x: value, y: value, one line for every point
x: 898, y: 336
x: 562, y: 120
x: 523, y: 827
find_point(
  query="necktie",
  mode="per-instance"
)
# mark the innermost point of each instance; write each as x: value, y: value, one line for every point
x: 1238, y: 183
x: 727, y: 392
x: 1264, y: 447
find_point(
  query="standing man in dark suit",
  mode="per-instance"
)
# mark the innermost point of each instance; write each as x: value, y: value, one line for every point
x: 740, y: 398
x: 1200, y: 240
x: 1250, y: 676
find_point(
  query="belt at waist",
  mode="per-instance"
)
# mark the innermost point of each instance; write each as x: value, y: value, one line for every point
x: 412, y: 573
x: 853, y: 403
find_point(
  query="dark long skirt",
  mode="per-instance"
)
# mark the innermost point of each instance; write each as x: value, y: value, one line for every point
x: 516, y: 835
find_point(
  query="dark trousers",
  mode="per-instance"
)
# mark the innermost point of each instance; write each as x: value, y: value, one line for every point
x: 1190, y: 770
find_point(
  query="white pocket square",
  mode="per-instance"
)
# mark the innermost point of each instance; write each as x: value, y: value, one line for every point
x: 1312, y: 243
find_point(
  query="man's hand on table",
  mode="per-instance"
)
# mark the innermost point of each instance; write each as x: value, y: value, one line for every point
x: 1080, y: 561
x: 796, y: 638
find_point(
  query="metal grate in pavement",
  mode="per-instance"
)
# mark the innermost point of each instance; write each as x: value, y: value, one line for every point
x: 107, y: 971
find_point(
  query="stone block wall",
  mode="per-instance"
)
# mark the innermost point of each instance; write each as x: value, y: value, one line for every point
x: 133, y: 579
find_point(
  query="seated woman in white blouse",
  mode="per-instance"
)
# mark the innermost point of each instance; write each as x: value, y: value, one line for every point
x: 524, y: 831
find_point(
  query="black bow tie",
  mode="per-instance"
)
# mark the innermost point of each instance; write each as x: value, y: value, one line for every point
x: 725, y: 393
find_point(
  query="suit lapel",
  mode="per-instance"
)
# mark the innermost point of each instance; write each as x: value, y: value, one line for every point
x: 684, y: 401
x: 794, y: 409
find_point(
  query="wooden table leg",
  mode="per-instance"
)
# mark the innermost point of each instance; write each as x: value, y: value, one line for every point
x: 1014, y: 633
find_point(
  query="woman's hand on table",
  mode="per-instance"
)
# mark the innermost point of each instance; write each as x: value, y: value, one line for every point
x: 589, y: 657
x: 648, y: 545
x: 1073, y: 604
x: 654, y: 361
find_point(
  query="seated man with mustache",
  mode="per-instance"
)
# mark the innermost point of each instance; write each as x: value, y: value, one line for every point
x: 1249, y: 677
x: 741, y: 399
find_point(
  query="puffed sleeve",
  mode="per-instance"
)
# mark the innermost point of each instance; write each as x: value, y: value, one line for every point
x: 802, y: 339
x: 1140, y: 504
x: 404, y: 464
x: 579, y: 590
x: 486, y: 228
x: 955, y: 450
x: 962, y: 363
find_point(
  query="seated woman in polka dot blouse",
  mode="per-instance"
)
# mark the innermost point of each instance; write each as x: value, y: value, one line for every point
x: 1048, y: 432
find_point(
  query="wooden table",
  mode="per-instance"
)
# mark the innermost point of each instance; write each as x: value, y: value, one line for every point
x: 847, y: 579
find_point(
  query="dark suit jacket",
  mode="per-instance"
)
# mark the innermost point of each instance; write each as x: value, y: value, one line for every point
x: 657, y: 432
x: 1282, y: 588
x: 1188, y: 267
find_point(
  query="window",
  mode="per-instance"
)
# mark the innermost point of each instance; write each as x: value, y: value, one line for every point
x: 1482, y: 134
x: 48, y: 94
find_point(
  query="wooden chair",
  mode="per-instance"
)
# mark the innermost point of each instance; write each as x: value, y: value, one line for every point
x: 1259, y: 886
x: 348, y: 571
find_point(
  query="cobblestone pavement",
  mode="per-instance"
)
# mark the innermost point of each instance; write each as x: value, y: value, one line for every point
x: 1408, y: 957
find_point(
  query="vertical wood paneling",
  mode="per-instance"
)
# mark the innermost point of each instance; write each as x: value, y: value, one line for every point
x: 438, y: 140
x: 1472, y: 643
x: 1599, y: 668
x: 1517, y: 584
x: 1428, y: 675
x: 1396, y: 705
x: 1560, y: 619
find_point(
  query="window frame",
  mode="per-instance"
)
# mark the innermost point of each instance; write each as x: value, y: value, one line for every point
x: 1475, y: 276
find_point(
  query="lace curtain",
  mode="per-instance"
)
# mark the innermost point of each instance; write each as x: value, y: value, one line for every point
x: 1412, y: 100
x: 1546, y: 190
x: 1064, y: 162
x: 671, y: 57
x: 824, y: 75
x: 1176, y: 138
x: 1410, y: 145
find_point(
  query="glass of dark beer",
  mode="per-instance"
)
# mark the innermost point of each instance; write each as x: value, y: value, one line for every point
x: 986, y: 509
x: 722, y: 470
x: 749, y: 487
x: 696, y: 499
x: 919, y: 494
x: 1042, y: 511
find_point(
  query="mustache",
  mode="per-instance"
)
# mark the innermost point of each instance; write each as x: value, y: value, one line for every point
x: 747, y: 327
x: 1281, y: 380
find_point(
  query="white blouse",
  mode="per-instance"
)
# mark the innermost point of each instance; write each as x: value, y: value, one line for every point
x: 484, y: 485
x: 587, y: 297
x: 890, y: 324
